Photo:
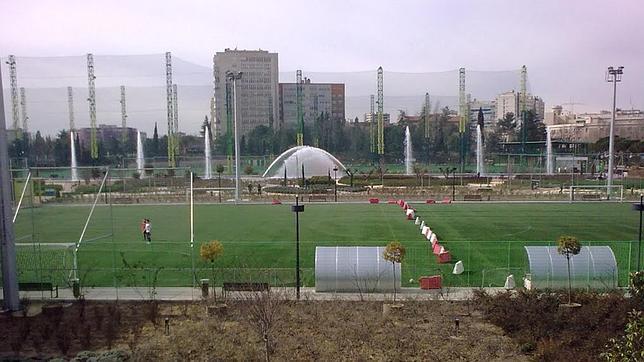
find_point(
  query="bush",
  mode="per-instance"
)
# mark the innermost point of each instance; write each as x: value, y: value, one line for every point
x: 534, y: 318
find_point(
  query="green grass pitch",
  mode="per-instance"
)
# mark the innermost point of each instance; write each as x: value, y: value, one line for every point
x: 259, y: 239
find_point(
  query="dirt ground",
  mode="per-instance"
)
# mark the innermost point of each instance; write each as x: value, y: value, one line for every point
x: 245, y: 329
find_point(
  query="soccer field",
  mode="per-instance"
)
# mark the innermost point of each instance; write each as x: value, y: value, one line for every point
x: 259, y: 239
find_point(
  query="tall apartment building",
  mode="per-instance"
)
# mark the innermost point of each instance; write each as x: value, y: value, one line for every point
x: 316, y: 98
x: 508, y: 102
x: 489, y: 113
x: 257, y: 90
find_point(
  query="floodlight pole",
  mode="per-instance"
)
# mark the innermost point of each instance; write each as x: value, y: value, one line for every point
x: 8, y: 247
x: 297, y: 209
x: 613, y: 75
x: 234, y: 76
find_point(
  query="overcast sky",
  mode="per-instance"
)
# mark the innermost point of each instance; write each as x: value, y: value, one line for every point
x: 566, y: 45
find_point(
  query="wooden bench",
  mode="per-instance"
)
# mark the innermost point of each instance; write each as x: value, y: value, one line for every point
x: 595, y: 197
x: 472, y: 198
x: 39, y: 286
x: 317, y: 198
x: 244, y: 287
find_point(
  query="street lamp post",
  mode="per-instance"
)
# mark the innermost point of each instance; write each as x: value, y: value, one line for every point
x: 613, y: 76
x: 234, y: 76
x: 297, y: 209
x: 639, y: 207
x: 335, y: 183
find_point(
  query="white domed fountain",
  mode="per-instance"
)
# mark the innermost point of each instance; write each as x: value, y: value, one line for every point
x: 316, y: 161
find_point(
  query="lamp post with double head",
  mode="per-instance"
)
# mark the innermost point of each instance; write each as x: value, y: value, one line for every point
x: 613, y: 75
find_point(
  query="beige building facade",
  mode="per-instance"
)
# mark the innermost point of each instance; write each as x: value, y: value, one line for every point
x: 257, y: 90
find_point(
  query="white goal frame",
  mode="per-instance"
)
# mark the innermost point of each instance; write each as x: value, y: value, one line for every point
x: 602, y: 188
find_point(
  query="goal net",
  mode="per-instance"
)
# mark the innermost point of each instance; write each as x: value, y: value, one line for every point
x: 596, y: 192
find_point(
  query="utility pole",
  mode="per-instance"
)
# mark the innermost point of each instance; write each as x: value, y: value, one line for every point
x: 613, y: 75
x: 7, y: 242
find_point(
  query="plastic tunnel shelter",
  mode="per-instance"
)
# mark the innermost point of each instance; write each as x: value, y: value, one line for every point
x: 354, y: 269
x: 594, y: 267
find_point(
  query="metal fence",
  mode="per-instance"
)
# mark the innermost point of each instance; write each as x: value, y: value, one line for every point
x: 105, y: 263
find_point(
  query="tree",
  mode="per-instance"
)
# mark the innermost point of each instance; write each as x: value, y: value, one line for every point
x: 394, y: 253
x: 532, y: 128
x: 506, y: 126
x: 568, y: 246
x: 155, y: 141
x: 264, y: 310
x: 210, y: 251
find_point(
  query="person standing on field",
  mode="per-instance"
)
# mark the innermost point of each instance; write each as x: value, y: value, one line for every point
x: 148, y: 231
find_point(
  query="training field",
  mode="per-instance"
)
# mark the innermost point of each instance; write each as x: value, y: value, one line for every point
x: 259, y: 240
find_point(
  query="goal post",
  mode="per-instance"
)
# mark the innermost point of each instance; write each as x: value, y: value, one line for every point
x: 595, y: 193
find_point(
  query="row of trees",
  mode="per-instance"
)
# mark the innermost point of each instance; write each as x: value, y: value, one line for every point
x: 350, y: 141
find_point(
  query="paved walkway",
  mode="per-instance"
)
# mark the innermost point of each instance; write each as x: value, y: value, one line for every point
x: 194, y: 294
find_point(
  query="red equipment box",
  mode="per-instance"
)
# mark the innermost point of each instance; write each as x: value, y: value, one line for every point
x: 431, y: 282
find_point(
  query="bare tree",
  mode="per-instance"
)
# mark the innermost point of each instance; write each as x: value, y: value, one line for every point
x: 263, y: 310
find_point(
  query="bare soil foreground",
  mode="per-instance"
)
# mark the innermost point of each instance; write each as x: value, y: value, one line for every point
x: 259, y: 327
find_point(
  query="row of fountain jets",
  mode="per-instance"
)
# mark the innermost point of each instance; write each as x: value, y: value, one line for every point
x: 409, y: 157
x: 480, y: 153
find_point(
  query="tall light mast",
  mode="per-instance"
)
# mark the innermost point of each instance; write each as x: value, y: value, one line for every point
x: 381, y: 121
x: 92, y: 105
x: 13, y: 84
x: 427, y: 115
x: 23, y: 107
x: 123, y: 118
x: 300, y: 111
x: 372, y: 123
x: 175, y: 118
x: 462, y: 112
x: 70, y: 108
x: 169, y: 105
x: 522, y: 104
